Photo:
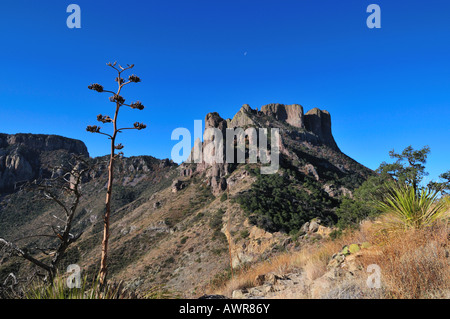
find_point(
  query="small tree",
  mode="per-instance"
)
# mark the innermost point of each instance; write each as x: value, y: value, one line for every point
x: 119, y: 101
x: 444, y: 186
x: 65, y: 191
x: 409, y: 167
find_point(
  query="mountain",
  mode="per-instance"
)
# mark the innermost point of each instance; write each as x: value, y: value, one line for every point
x: 182, y: 226
x: 307, y: 145
x: 24, y: 157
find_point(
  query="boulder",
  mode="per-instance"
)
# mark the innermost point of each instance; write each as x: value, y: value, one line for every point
x: 239, y: 294
x: 177, y: 185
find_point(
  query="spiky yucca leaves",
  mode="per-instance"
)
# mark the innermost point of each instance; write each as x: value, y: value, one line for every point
x: 59, y: 290
x: 161, y: 292
x: 410, y: 209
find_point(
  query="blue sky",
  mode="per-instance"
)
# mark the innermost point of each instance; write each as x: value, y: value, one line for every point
x: 385, y: 88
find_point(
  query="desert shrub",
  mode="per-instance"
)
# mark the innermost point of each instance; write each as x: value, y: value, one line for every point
x: 282, y: 203
x: 350, y: 212
x: 215, y: 221
x: 364, y: 204
x: 245, y: 233
x: 224, y: 197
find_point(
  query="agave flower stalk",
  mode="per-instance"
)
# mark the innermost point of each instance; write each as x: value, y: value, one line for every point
x: 120, y: 102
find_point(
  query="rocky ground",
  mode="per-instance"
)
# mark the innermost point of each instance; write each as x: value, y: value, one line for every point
x: 344, y: 279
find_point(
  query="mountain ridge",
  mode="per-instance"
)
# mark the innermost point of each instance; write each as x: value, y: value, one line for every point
x: 178, y: 225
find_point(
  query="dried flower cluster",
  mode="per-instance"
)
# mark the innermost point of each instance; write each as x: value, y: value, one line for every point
x: 104, y: 118
x: 134, y: 78
x: 96, y: 87
x: 119, y: 80
x: 117, y: 98
x: 137, y: 105
x: 139, y: 126
x: 93, y: 129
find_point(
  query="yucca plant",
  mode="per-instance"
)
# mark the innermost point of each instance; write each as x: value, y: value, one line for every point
x: 161, y: 292
x: 59, y: 290
x: 408, y: 208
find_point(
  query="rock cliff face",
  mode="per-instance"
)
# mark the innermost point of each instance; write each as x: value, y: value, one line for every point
x: 24, y: 157
x: 291, y: 114
x: 319, y: 122
x: 213, y: 170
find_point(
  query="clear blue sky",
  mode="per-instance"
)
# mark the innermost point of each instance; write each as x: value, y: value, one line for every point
x: 385, y: 88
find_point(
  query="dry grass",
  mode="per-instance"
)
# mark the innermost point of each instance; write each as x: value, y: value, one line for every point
x: 312, y: 259
x: 414, y: 264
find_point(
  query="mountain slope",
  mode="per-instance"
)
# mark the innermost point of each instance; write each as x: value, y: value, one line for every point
x: 182, y: 226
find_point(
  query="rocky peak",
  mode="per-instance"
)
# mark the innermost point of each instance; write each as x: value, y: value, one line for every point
x: 316, y: 123
x: 213, y: 120
x: 291, y: 114
x: 243, y: 117
x: 314, y: 127
x: 214, y: 172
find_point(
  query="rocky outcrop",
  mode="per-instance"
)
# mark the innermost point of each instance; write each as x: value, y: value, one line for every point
x: 315, y: 121
x: 243, y: 117
x: 291, y: 114
x: 319, y: 123
x: 333, y: 191
x: 177, y: 185
x: 344, y: 278
x: 43, y: 143
x: 214, y: 170
x: 257, y: 243
x: 24, y: 157
x: 315, y: 228
x: 302, y: 138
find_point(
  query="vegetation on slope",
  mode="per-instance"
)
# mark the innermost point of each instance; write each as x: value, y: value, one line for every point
x: 284, y: 202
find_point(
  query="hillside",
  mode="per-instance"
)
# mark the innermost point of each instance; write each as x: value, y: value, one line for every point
x: 176, y: 225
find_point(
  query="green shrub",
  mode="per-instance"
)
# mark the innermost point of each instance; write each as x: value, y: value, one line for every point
x: 363, y: 205
x: 215, y: 221
x: 245, y: 233
x: 351, y: 212
x: 285, y: 202
x: 335, y: 234
x: 224, y: 197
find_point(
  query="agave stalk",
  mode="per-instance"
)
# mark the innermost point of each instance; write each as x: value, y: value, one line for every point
x: 119, y: 101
